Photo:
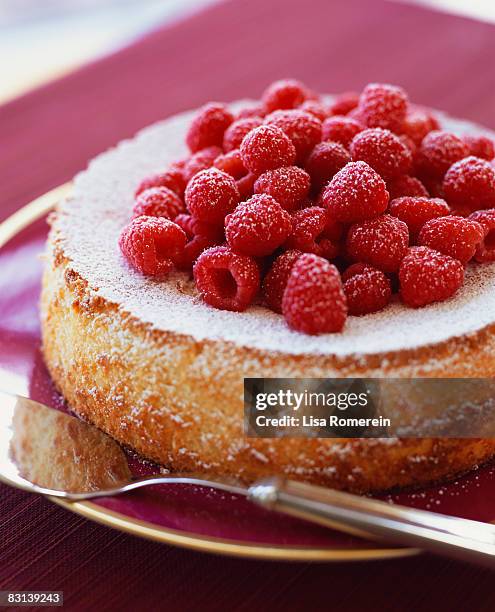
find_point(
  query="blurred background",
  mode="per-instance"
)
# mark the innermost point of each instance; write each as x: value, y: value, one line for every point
x: 43, y: 39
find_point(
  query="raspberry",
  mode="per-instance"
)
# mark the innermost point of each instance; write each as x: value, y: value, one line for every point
x: 202, y: 160
x: 334, y: 230
x: 344, y: 103
x: 314, y: 301
x: 276, y: 280
x: 325, y: 160
x: 266, y: 148
x: 485, y: 251
x: 353, y: 269
x: 304, y: 129
x: 246, y: 186
x: 480, y: 146
x: 306, y: 203
x: 251, y: 111
x: 430, y: 114
x: 195, y: 227
x: 416, y: 211
x: 380, y: 242
x: 428, y: 276
x: 438, y: 151
x: 383, y: 106
x: 172, y: 179
x: 340, y: 129
x: 318, y: 201
x: 231, y: 163
x: 309, y: 233
x: 470, y: 183
x: 177, y: 165
x: 409, y: 144
x: 236, y: 131
x: 283, y: 94
x: 417, y: 124
x: 208, y: 127
x: 383, y: 151
x: 367, y: 289
x: 434, y: 186
x: 454, y: 236
x: 313, y: 107
x: 193, y: 249
x: 225, y: 279
x: 289, y: 186
x: 210, y: 195
x: 152, y: 244
x: 158, y: 202
x: 461, y: 211
x: 406, y: 185
x: 257, y: 227
x: 356, y: 115
x: 355, y: 193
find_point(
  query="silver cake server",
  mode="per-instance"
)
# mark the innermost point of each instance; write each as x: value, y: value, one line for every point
x: 46, y: 451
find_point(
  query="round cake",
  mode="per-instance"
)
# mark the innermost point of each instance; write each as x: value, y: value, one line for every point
x: 162, y: 372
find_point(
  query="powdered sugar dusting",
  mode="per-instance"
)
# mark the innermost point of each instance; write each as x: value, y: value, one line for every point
x: 91, y: 220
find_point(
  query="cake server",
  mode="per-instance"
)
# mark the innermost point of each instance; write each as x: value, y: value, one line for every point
x: 45, y: 451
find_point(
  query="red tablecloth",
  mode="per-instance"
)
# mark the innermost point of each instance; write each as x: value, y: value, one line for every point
x: 230, y: 50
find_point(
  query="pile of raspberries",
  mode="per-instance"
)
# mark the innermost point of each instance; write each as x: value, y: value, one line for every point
x: 316, y: 210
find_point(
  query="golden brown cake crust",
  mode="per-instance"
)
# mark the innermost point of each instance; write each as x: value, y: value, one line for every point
x: 179, y: 401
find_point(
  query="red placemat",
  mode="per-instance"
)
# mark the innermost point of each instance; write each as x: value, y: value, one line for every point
x: 231, y: 50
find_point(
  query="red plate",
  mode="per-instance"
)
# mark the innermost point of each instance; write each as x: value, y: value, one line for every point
x: 184, y: 515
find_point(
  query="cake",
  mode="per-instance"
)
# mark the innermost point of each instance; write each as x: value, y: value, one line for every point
x: 149, y: 362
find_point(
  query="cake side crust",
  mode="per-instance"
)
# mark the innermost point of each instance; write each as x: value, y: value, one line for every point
x: 179, y: 401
